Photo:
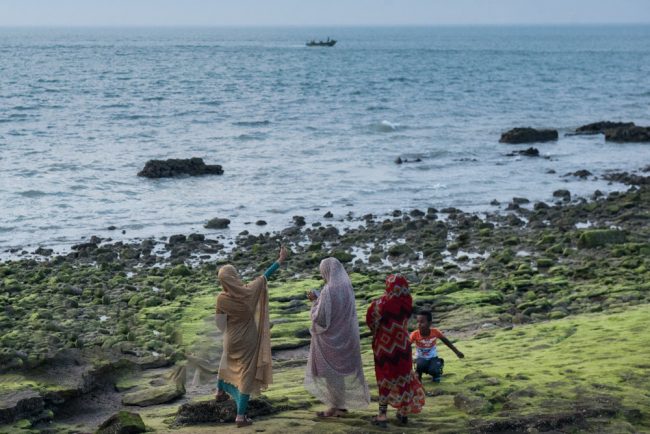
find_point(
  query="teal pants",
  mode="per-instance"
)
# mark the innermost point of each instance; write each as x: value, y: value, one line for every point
x: 241, y: 399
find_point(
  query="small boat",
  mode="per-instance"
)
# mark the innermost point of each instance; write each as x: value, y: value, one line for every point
x: 327, y: 43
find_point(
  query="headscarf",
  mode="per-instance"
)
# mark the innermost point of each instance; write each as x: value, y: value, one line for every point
x: 397, y: 296
x: 241, y: 303
x: 334, y: 371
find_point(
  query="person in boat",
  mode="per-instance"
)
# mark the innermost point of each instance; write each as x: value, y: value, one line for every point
x: 243, y: 315
x: 387, y: 318
x: 334, y: 371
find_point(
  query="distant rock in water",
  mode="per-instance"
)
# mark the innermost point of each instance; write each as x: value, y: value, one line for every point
x: 528, y: 135
x: 400, y: 160
x: 179, y: 167
x: 631, y: 134
x: 217, y: 223
x: 530, y: 152
x: 600, y: 127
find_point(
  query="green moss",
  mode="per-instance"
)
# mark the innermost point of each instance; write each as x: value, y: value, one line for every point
x: 600, y: 237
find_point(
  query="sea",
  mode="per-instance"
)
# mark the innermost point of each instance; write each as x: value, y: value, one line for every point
x: 298, y: 130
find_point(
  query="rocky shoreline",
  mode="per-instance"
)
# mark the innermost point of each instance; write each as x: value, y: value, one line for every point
x: 123, y: 317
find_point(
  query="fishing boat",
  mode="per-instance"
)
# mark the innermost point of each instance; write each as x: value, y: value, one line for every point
x: 327, y: 43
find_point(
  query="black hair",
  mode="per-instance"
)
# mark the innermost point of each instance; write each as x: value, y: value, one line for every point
x: 426, y: 313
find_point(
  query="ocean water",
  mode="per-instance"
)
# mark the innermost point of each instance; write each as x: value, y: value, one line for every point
x: 300, y: 131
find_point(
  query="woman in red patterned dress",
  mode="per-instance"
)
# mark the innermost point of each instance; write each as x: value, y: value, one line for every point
x: 398, y: 385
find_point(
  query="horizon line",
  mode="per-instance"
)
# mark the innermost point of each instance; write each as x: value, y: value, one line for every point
x: 548, y: 24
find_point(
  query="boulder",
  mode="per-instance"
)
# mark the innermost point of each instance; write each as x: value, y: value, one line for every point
x: 600, y: 127
x: 22, y: 404
x: 627, y: 178
x: 194, y: 413
x: 153, y: 395
x: 528, y: 135
x: 123, y: 422
x: 600, y: 237
x: 628, y: 134
x: 217, y: 223
x: 178, y: 167
x: 563, y: 194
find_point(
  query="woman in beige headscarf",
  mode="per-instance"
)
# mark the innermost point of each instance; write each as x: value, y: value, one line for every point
x: 334, y: 370
x: 243, y: 316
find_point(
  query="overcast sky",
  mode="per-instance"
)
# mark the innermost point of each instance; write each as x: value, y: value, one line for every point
x: 321, y: 12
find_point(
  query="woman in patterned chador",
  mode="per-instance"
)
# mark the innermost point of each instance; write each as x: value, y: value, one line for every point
x: 398, y: 385
x: 334, y: 372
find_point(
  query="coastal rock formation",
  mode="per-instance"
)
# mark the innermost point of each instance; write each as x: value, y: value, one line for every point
x: 212, y: 411
x: 601, y: 237
x: 179, y: 167
x: 123, y: 422
x: 153, y: 395
x: 630, y: 134
x: 601, y: 127
x: 528, y: 135
x: 217, y: 223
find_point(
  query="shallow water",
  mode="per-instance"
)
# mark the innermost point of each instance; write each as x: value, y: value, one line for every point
x: 300, y: 130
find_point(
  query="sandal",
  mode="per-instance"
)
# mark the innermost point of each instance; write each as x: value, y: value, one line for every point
x: 246, y: 422
x: 402, y: 419
x: 338, y: 412
x: 380, y: 423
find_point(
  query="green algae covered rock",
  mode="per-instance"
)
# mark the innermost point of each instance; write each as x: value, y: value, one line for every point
x: 123, y: 422
x: 601, y: 237
x: 153, y: 395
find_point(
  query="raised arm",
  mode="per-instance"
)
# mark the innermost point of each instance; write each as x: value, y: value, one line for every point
x: 273, y: 268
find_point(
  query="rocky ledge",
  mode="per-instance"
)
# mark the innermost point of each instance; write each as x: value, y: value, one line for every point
x: 528, y: 135
x: 179, y: 167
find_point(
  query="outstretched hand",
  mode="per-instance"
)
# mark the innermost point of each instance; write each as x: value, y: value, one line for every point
x: 283, y: 254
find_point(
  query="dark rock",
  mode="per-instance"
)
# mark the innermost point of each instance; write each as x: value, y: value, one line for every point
x: 540, y: 205
x: 627, y: 178
x: 528, y: 135
x: 550, y: 172
x: 123, y: 422
x: 597, y: 194
x: 111, y: 228
x: 43, y: 251
x: 398, y: 160
x: 84, y: 246
x: 530, y: 152
x: 177, y: 239
x: 299, y: 220
x: 22, y: 404
x: 563, y: 194
x: 520, y: 200
x: 217, y: 223
x: 416, y: 213
x: 195, y: 238
x: 178, y: 167
x: 495, y: 202
x: 600, y: 127
x: 260, y: 223
x: 580, y: 173
x: 328, y: 215
x: 629, y: 134
x: 201, y: 412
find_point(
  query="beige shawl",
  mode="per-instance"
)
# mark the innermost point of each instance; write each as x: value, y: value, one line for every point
x: 246, y: 359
